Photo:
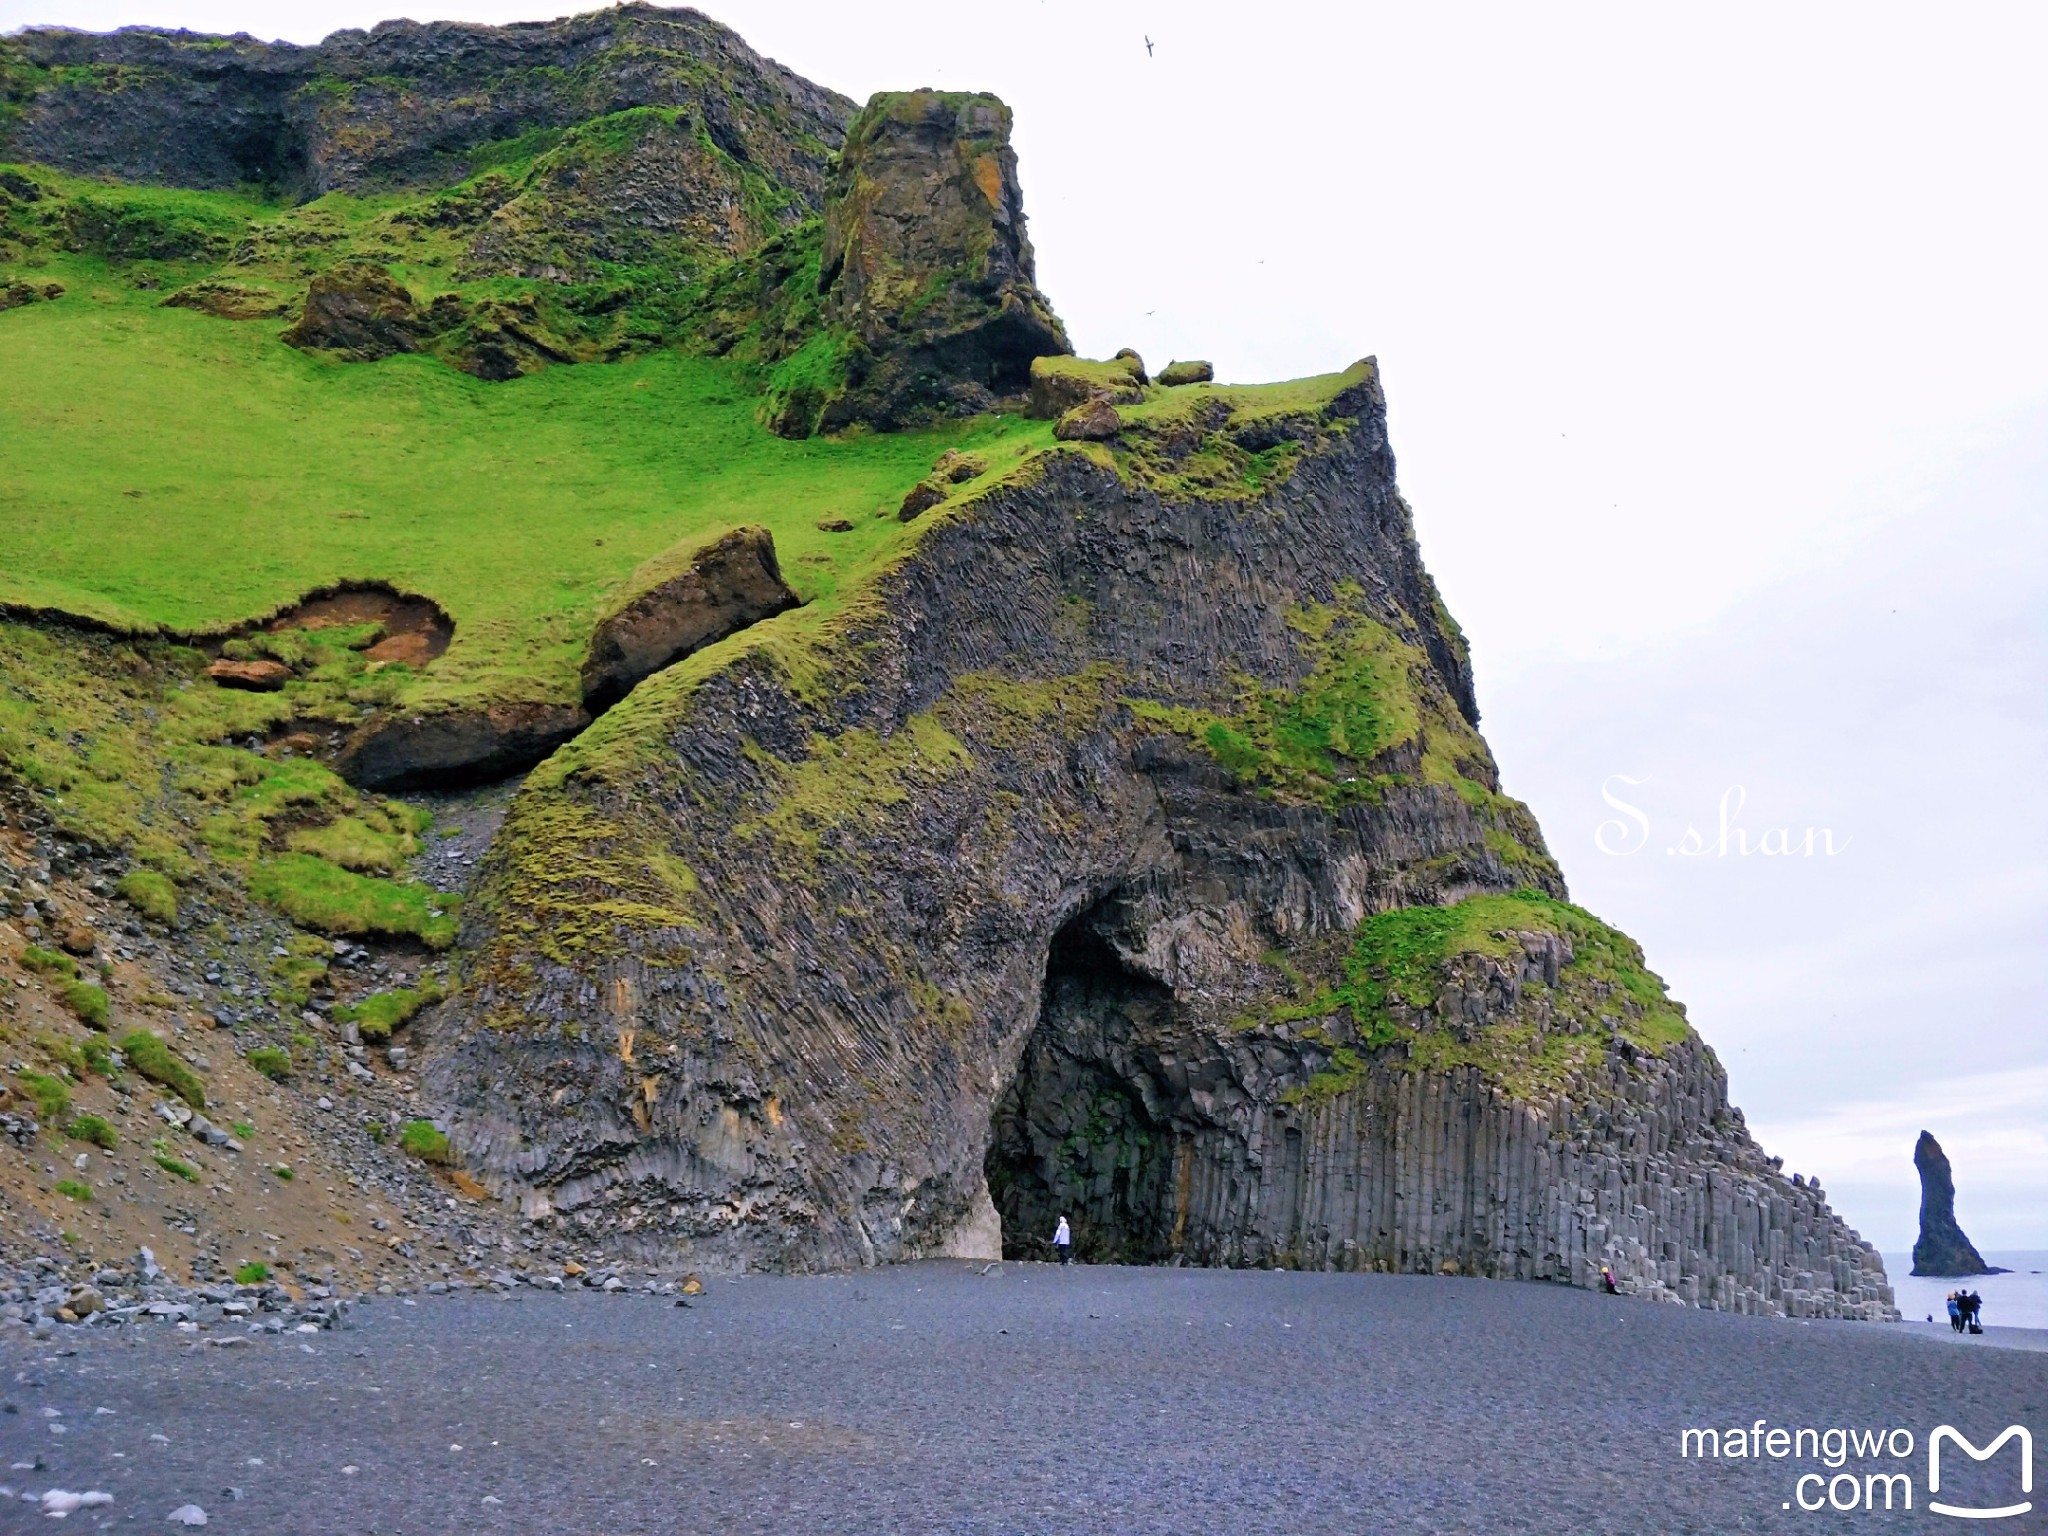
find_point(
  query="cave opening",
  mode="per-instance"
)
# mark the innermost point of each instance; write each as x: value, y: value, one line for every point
x: 1086, y: 1127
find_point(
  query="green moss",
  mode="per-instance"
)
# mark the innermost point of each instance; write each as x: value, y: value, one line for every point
x: 175, y: 1168
x: 1317, y: 740
x: 1401, y: 959
x: 321, y: 896
x: 850, y: 779
x: 152, y: 1058
x: 377, y: 1015
x: 150, y: 894
x: 423, y: 1141
x: 271, y: 1062
x: 255, y: 1272
x: 282, y: 1171
x: 75, y: 1189
x: 51, y: 1097
x: 93, y: 1129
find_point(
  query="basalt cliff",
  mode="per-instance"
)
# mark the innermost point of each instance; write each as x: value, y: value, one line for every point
x: 1074, y: 804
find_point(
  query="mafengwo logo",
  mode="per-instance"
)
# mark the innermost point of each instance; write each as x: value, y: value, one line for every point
x: 1884, y: 1463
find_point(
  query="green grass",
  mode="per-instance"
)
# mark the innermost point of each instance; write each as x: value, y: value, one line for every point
x: 271, y: 1062
x: 51, y: 1097
x: 176, y: 1169
x: 255, y: 1272
x: 48, y: 962
x: 87, y: 1001
x: 92, y: 1128
x: 141, y: 442
x: 282, y: 1171
x: 153, y: 1059
x: 150, y: 894
x: 318, y: 895
x: 423, y: 1141
x: 382, y: 1012
x: 75, y: 1189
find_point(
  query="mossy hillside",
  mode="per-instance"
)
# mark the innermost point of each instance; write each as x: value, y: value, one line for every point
x: 129, y: 747
x: 144, y: 439
x: 1399, y: 963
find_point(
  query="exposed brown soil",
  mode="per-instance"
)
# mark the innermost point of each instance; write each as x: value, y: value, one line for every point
x: 415, y: 629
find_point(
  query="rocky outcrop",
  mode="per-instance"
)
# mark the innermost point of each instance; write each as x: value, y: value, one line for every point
x: 358, y: 312
x: 17, y: 295
x: 229, y: 300
x: 1054, y: 872
x: 725, y: 585
x: 447, y: 749
x: 403, y: 104
x: 926, y: 270
x: 1195, y: 371
x: 1941, y: 1248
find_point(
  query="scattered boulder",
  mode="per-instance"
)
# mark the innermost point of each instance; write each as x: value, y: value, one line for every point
x: 1941, y: 1248
x: 1195, y: 371
x: 358, y: 311
x: 79, y: 940
x: 447, y: 749
x: 229, y: 301
x: 261, y: 676
x: 15, y: 295
x: 725, y: 586
x: 835, y: 525
x: 1092, y: 421
x: 1130, y: 355
x: 920, y: 499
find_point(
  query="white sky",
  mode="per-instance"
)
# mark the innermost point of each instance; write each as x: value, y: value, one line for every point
x: 1713, y: 340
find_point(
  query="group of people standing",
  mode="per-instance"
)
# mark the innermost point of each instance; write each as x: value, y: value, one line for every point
x: 1963, y: 1307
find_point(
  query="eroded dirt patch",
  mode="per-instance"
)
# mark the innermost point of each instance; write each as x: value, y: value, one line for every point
x: 416, y: 631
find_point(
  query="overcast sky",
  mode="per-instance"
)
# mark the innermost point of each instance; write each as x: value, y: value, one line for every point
x: 1713, y: 338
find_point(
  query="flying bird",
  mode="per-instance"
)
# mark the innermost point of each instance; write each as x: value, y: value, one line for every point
x: 1148, y: 47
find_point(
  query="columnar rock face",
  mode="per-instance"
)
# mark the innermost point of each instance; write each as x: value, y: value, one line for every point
x: 926, y: 265
x: 1127, y: 849
x: 1941, y: 1248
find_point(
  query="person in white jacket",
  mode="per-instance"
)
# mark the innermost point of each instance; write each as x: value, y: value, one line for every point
x: 1063, y: 1242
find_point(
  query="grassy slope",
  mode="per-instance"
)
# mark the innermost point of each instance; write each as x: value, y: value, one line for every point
x: 162, y: 467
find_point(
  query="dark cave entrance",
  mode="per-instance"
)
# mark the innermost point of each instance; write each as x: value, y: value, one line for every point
x: 1084, y: 1129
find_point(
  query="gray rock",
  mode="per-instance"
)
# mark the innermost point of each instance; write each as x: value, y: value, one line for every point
x: 187, y: 1514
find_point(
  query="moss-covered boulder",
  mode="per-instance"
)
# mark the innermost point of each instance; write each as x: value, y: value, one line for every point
x: 720, y: 589
x: 1177, y: 373
x: 1058, y: 384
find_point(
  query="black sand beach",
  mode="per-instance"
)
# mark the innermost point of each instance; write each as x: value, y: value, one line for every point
x: 936, y: 1398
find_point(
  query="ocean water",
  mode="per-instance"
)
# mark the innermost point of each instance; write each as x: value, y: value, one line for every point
x: 2017, y: 1300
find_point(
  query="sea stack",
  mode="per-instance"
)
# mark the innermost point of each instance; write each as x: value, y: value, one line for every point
x: 1942, y: 1248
